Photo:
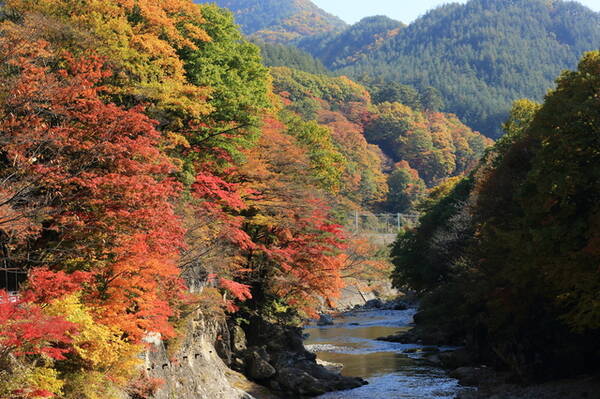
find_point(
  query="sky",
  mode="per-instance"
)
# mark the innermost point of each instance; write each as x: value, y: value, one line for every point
x: 406, y: 11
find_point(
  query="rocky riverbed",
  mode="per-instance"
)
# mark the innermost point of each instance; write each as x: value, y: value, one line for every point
x: 393, y: 369
x: 439, y: 349
x: 274, y: 356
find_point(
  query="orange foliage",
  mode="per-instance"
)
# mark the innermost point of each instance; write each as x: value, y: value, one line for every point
x: 106, y: 187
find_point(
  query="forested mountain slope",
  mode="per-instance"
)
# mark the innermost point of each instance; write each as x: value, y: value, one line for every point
x: 508, y: 260
x: 480, y: 56
x: 485, y: 54
x: 417, y: 148
x: 275, y: 55
x: 281, y: 21
x: 345, y: 48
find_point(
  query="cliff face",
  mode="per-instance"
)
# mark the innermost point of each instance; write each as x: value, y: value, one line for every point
x: 270, y: 355
x: 195, y: 371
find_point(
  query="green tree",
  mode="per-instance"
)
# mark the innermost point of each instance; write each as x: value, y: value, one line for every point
x: 406, y: 189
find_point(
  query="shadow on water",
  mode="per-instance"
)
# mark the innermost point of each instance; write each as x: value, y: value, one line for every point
x: 368, y: 364
x: 391, y: 372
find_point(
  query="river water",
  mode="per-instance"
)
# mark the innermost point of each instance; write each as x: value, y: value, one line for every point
x: 392, y: 373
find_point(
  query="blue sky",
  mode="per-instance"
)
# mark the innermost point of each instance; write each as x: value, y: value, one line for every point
x: 403, y: 10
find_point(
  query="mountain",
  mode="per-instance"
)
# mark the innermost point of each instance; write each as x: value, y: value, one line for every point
x: 281, y: 21
x: 480, y: 56
x: 345, y: 48
x: 275, y: 55
x: 485, y: 54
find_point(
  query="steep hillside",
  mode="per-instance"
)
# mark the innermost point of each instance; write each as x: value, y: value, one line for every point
x: 275, y: 55
x: 509, y: 258
x: 419, y: 148
x: 480, y: 56
x: 338, y: 50
x: 281, y: 21
x: 483, y: 55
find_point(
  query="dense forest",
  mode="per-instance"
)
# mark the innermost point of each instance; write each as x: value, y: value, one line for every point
x: 280, y: 21
x: 142, y: 153
x: 340, y: 49
x: 417, y: 148
x: 480, y: 56
x: 156, y: 164
x: 507, y: 258
x: 146, y: 151
x: 485, y: 54
x: 279, y: 55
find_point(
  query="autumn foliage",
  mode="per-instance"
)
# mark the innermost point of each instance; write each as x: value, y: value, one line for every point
x: 148, y: 170
x: 126, y: 172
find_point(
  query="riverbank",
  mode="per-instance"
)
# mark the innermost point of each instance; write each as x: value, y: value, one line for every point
x: 393, y: 370
x: 488, y: 383
x: 576, y: 388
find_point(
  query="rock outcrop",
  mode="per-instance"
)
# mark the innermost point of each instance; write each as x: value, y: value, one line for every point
x: 194, y: 371
x: 325, y: 320
x: 274, y: 356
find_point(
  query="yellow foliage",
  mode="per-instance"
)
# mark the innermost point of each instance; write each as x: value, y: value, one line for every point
x: 45, y: 378
x: 27, y: 378
x: 139, y: 38
x: 106, y: 362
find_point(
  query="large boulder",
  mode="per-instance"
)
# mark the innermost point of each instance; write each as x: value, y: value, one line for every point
x: 418, y: 335
x: 325, y: 320
x: 472, y: 376
x: 299, y: 382
x: 455, y: 359
x: 374, y: 304
x: 238, y: 339
x: 297, y: 373
x: 258, y: 368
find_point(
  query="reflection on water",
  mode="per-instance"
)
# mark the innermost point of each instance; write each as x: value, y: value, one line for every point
x: 337, y: 333
x: 368, y: 364
x: 391, y: 373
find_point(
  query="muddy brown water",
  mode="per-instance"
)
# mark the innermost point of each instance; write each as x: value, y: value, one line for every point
x: 391, y: 372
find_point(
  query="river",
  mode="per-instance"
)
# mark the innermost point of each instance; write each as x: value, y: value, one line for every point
x: 391, y: 371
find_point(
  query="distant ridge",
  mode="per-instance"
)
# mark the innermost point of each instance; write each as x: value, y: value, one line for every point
x: 281, y: 21
x: 481, y: 56
x: 338, y: 50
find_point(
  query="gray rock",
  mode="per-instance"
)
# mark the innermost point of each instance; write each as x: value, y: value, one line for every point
x: 433, y: 359
x: 404, y: 337
x: 238, y: 339
x: 396, y: 304
x: 258, y: 368
x: 374, y: 304
x: 471, y: 376
x: 238, y: 364
x: 300, y: 382
x: 335, y: 367
x: 325, y: 320
x: 456, y: 359
x: 297, y: 373
x: 400, y: 305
